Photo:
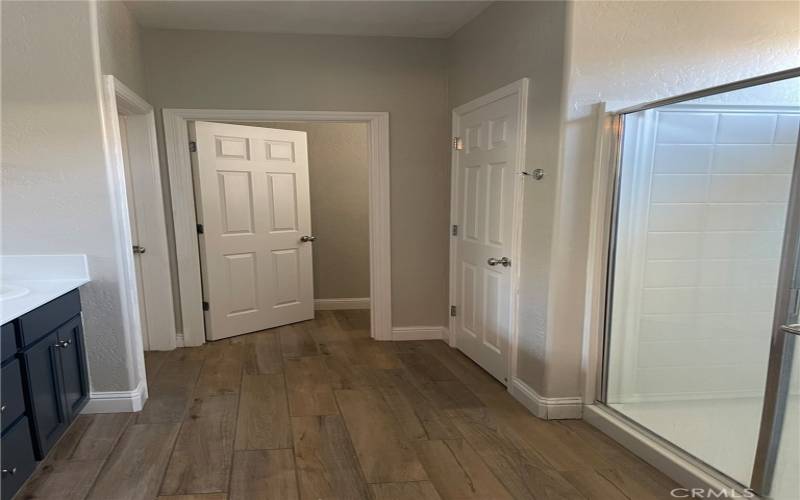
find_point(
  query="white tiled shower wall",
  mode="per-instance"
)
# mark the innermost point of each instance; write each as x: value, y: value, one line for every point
x: 718, y: 187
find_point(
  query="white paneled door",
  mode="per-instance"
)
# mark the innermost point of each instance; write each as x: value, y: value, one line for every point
x: 486, y: 173
x: 252, y: 192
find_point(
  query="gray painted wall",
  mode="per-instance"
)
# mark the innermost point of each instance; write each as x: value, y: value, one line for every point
x: 121, y: 45
x: 406, y: 77
x: 506, y: 42
x: 338, y: 166
x: 56, y: 196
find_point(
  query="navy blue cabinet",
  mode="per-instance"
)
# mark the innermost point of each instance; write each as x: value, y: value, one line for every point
x: 42, y: 370
x: 44, y: 384
x: 73, y: 368
x: 17, y: 457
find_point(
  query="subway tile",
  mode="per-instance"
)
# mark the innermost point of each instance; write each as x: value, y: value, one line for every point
x: 753, y: 159
x: 746, y: 128
x: 733, y: 299
x: 738, y: 272
x: 686, y: 128
x: 668, y: 300
x: 682, y: 158
x: 786, y: 129
x: 691, y: 353
x: 673, y: 245
x: 667, y: 326
x: 749, y: 188
x: 737, y: 377
x: 672, y: 273
x: 677, y: 217
x: 745, y: 217
x: 679, y: 188
x: 741, y: 245
x: 694, y: 326
x: 735, y: 324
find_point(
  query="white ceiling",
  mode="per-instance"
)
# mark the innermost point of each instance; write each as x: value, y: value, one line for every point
x: 432, y: 19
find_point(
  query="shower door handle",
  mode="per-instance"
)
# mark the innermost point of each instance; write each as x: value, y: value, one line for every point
x: 794, y: 329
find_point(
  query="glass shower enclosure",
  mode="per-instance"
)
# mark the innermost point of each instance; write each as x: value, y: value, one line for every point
x: 700, y: 340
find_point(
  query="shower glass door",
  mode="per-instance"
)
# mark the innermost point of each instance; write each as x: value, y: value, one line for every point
x: 697, y: 267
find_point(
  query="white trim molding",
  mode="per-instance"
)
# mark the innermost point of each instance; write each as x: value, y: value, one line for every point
x: 158, y: 333
x: 542, y: 407
x: 117, y: 401
x: 176, y: 136
x: 341, y: 304
x: 420, y: 333
x: 519, y: 88
x: 675, y: 463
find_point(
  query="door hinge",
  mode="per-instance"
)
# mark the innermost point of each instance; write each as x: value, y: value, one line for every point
x: 454, y: 230
x: 453, y: 311
x: 192, y: 147
x: 458, y: 144
x: 205, y: 305
x: 200, y: 229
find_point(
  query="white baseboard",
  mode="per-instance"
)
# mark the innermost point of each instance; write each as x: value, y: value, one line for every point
x: 678, y: 465
x: 545, y: 408
x: 419, y: 333
x: 179, y: 342
x: 336, y: 304
x: 117, y: 401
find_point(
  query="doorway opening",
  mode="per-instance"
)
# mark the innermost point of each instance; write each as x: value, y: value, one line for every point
x: 190, y: 272
x: 284, y: 212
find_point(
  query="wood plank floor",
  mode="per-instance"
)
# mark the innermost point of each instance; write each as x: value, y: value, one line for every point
x: 319, y: 411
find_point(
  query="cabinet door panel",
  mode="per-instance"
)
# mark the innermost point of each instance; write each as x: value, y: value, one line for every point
x: 73, y: 367
x: 17, y: 458
x: 42, y: 370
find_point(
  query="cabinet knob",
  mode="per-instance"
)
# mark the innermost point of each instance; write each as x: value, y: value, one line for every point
x: 10, y: 472
x: 3, y: 408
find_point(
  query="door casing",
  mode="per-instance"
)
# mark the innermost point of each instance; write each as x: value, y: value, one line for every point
x: 176, y: 135
x: 520, y: 89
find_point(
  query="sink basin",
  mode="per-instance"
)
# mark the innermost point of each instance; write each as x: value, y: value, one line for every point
x: 8, y: 292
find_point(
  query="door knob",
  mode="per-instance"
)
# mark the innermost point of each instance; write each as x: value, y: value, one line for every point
x: 139, y: 249
x: 505, y: 261
x: 308, y: 238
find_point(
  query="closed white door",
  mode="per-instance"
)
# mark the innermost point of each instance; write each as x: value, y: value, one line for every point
x: 137, y: 247
x: 252, y: 192
x: 485, y: 175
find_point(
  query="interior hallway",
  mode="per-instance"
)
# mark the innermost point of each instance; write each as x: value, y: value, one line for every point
x: 318, y: 410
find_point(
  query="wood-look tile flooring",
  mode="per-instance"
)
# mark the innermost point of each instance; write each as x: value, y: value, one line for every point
x: 318, y: 410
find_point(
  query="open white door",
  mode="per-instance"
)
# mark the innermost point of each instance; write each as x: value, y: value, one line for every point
x: 253, y: 203
x: 485, y: 183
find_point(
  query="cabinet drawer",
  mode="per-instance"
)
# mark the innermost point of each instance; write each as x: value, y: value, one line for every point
x: 13, y: 401
x: 44, y: 319
x: 8, y: 341
x: 17, y: 457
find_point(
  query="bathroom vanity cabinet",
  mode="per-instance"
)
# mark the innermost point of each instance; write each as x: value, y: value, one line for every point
x: 44, y: 384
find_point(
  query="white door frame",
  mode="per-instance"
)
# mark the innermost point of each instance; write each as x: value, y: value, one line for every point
x: 152, y: 233
x: 176, y: 136
x: 520, y: 88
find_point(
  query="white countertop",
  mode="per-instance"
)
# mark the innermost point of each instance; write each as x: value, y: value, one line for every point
x: 38, y: 279
x: 40, y: 292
